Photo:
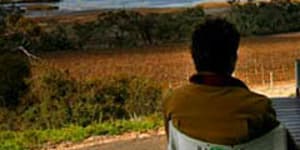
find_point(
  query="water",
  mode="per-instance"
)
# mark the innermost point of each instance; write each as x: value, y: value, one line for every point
x: 100, y: 4
x: 73, y: 6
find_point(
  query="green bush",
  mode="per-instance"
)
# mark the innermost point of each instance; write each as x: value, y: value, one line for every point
x: 127, y: 28
x: 133, y: 29
x: 14, y: 69
x: 54, y: 40
x: 16, y: 30
x: 258, y: 19
x: 55, y: 100
x: 112, y: 29
x: 142, y: 97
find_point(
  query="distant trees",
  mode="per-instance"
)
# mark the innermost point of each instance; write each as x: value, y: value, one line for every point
x: 132, y: 29
x: 252, y: 19
x: 251, y: 1
x: 127, y: 28
x: 280, y: 1
x: 13, y: 29
x: 233, y: 1
x: 123, y: 28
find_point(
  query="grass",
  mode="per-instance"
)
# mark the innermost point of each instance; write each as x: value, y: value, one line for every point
x: 172, y: 64
x: 36, y: 139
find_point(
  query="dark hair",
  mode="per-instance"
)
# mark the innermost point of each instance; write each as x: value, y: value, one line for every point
x: 214, y: 46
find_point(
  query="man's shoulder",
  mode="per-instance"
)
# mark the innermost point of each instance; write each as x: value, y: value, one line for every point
x: 205, y: 91
x: 207, y: 88
x: 254, y: 95
x: 256, y: 103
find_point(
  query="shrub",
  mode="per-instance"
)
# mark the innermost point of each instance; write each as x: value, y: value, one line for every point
x: 142, y: 97
x: 257, y: 19
x: 3, y: 14
x: 46, y: 103
x: 55, y: 40
x: 14, y: 69
x: 56, y: 100
x: 16, y: 30
x: 133, y: 29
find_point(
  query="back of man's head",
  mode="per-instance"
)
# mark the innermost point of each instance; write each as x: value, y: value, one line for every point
x: 214, y: 46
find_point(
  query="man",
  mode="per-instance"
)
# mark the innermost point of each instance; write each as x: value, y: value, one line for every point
x: 216, y: 107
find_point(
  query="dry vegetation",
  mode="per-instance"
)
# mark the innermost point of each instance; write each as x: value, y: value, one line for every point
x: 41, y: 7
x: 211, y: 5
x: 259, y: 57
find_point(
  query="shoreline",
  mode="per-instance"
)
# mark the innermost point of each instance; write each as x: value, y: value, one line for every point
x: 28, y: 1
x: 89, y: 15
x: 208, y: 6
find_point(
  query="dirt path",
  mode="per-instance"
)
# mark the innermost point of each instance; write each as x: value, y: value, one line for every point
x: 150, y: 143
x: 152, y: 140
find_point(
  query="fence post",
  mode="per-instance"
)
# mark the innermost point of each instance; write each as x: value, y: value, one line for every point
x: 297, y: 70
x: 271, y: 80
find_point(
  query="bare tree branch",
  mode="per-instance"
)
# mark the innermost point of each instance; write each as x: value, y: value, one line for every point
x: 27, y: 53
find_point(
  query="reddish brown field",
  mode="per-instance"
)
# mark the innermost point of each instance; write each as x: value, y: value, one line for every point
x: 210, y: 5
x: 261, y: 59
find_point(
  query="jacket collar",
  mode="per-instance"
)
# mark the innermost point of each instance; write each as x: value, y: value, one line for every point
x: 217, y: 80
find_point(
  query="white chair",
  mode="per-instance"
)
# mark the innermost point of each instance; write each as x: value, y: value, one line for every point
x: 274, y: 140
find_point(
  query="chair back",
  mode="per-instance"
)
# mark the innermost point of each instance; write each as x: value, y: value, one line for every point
x: 274, y: 140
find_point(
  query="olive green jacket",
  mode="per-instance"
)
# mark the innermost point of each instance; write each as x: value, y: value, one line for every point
x: 226, y: 114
